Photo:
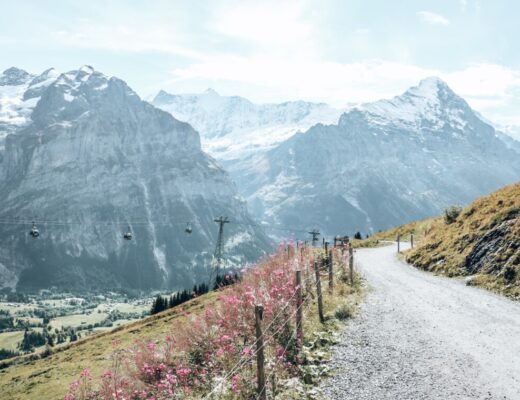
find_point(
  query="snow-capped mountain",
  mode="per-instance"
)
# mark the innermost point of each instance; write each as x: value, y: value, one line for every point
x: 382, y: 164
x: 233, y: 127
x: 15, y: 108
x: 85, y: 157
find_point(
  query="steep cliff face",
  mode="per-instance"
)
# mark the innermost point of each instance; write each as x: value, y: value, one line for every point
x: 92, y: 158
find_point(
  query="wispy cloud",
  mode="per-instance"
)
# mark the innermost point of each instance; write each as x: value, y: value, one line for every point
x: 433, y: 18
x: 122, y: 39
x: 312, y: 79
x: 487, y: 87
x: 275, y: 51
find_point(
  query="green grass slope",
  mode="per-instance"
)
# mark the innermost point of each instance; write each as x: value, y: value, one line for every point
x: 46, y: 378
x: 49, y: 377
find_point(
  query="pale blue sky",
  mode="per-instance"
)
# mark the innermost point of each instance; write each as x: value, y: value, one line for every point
x: 338, y: 51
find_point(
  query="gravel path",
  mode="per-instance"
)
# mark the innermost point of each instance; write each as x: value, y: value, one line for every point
x: 426, y: 337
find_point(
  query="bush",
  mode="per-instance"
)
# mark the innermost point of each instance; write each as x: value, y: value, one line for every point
x: 451, y: 214
x: 6, y: 323
x: 159, y: 304
x: 32, y: 339
x: 344, y: 312
x: 6, y: 353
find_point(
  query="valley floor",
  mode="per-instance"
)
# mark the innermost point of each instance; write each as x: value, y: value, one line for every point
x: 421, y: 336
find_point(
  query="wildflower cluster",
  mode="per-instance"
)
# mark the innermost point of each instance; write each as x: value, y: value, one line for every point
x: 213, y: 352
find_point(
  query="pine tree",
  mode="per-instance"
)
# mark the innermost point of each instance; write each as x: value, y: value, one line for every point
x: 159, y: 304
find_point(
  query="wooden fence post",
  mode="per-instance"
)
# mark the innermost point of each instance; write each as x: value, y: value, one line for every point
x: 318, y: 291
x: 299, y: 309
x: 344, y: 259
x: 304, y: 263
x: 260, y: 371
x: 398, y: 243
x: 331, y: 277
x: 351, y: 264
x: 411, y: 240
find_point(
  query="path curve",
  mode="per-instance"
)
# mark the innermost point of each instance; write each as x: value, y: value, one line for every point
x: 421, y: 336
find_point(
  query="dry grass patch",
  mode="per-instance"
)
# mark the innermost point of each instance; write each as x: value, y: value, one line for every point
x: 482, y: 242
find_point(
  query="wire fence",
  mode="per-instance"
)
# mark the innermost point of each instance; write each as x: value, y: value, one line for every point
x: 268, y: 339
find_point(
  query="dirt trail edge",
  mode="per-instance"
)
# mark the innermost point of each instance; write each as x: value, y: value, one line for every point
x: 422, y: 336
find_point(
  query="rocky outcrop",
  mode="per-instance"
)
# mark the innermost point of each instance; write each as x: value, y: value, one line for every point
x: 482, y: 243
x: 497, y: 252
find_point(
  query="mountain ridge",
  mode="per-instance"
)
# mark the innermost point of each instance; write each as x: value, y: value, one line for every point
x: 385, y: 162
x: 233, y: 127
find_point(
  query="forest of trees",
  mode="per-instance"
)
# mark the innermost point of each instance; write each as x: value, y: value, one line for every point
x: 162, y: 303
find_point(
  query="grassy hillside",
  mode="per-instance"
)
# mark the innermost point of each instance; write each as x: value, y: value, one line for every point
x: 418, y: 228
x: 483, y: 242
x: 48, y: 378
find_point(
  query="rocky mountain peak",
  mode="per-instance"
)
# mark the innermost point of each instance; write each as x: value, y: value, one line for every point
x: 433, y: 82
x: 14, y: 76
x: 84, y: 72
x: 435, y: 91
x: 211, y: 92
x: 402, y: 158
x: 432, y: 103
x: 50, y: 73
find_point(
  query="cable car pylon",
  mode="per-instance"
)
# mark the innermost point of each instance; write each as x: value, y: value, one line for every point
x: 220, y: 244
x: 315, y: 233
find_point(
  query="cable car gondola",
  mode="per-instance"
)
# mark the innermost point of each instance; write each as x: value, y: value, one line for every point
x: 188, y: 229
x: 34, y: 231
x: 128, y: 234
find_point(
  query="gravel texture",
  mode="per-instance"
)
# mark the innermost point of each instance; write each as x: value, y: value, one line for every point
x: 422, y: 336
